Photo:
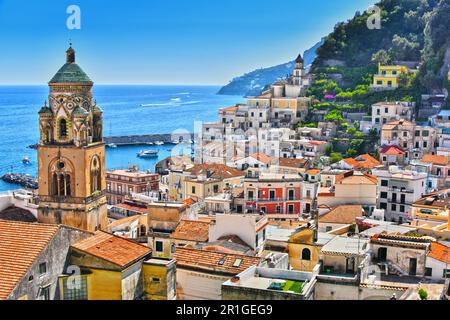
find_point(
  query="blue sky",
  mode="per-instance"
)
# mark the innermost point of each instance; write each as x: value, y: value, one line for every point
x: 162, y: 41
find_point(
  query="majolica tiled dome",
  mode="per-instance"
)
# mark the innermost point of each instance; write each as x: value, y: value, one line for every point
x: 70, y: 72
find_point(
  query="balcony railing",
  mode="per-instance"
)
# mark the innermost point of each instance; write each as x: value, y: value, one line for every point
x: 272, y: 199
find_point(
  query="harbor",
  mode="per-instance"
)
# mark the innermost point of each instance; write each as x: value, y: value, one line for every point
x: 149, y: 139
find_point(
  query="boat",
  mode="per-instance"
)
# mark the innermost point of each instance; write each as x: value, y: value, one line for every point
x: 159, y: 143
x: 26, y: 160
x: 148, y: 153
x: 112, y: 145
x: 149, y: 143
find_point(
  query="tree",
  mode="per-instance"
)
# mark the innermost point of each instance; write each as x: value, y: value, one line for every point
x: 423, y: 294
x: 335, y: 157
x: 351, y: 153
x: 381, y: 57
x: 328, y: 150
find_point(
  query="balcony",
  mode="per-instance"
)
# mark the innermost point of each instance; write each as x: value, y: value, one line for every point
x: 272, y: 199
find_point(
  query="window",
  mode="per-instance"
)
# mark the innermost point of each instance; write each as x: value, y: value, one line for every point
x: 417, y: 133
x: 383, y: 195
x: 159, y: 246
x: 425, y: 144
x: 44, y: 293
x: 394, y: 207
x: 383, y: 205
x: 425, y: 133
x: 237, y: 263
x: 42, y: 268
x: 384, y: 183
x: 291, y: 194
x: 328, y: 228
x: 250, y: 195
x: 272, y: 194
x: 155, y: 280
x: 379, y: 82
x: 428, y: 272
x: 446, y: 273
x: 402, y: 198
x: 216, y: 188
x: 63, y: 129
x: 75, y: 292
x: 193, y: 190
x: 278, y: 209
x: 96, y: 177
x: 405, y: 133
x: 306, y: 254
x: 291, y: 209
x: 402, y: 208
x: 263, y: 209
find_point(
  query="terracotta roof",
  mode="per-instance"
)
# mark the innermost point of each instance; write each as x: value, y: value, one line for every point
x: 213, y: 261
x: 234, y: 108
x: 189, y: 201
x: 217, y: 171
x: 313, y: 172
x: 293, y: 163
x: 262, y: 157
x: 397, y: 124
x: 20, y: 245
x: 359, y: 178
x: 131, y: 207
x: 119, y: 222
x: 345, y: 214
x: 440, y: 252
x: 392, y: 150
x: 365, y: 161
x: 191, y: 230
x: 435, y: 159
x: 14, y: 213
x: 117, y: 250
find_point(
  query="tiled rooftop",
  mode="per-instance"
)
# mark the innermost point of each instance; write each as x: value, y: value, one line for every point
x: 111, y: 248
x: 191, y: 230
x: 20, y: 244
x: 213, y: 261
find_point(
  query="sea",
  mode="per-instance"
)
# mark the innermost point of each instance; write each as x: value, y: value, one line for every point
x: 127, y: 110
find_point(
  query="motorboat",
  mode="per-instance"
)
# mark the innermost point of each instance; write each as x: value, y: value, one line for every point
x: 112, y: 145
x: 26, y: 160
x: 148, y: 153
x: 159, y: 143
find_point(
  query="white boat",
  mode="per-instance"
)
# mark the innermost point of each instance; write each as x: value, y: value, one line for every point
x: 148, y: 153
x: 26, y: 160
x: 112, y: 145
x: 159, y: 143
x: 149, y: 143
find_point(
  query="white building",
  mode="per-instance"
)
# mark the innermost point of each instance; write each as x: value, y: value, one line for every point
x: 398, y: 189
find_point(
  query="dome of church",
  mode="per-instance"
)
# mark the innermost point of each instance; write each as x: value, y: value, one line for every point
x: 70, y: 72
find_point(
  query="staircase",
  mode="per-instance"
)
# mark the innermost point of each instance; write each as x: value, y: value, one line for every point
x: 389, y: 267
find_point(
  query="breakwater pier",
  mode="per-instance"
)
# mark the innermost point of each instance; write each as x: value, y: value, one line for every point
x: 150, y: 138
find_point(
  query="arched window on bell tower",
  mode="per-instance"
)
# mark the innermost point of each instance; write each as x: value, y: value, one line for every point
x: 61, y: 179
x: 63, y: 129
x: 96, y: 175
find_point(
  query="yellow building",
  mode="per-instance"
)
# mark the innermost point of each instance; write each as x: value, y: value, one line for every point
x: 71, y: 153
x: 388, y: 76
x: 104, y: 267
x: 304, y: 252
x: 163, y: 219
x: 159, y: 279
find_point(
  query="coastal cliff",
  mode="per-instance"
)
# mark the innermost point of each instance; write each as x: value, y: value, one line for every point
x: 254, y: 82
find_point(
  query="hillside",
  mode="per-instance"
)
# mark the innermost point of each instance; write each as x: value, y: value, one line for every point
x: 252, y: 83
x: 411, y: 30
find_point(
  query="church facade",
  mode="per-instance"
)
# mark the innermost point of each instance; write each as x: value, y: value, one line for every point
x: 71, y: 153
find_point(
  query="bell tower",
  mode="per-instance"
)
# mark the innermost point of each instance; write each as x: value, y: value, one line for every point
x: 71, y: 152
x: 299, y: 71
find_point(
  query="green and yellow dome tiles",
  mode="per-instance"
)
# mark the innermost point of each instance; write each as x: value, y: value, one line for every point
x: 71, y: 72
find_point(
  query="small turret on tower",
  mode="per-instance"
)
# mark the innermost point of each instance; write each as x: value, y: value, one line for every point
x: 70, y: 55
